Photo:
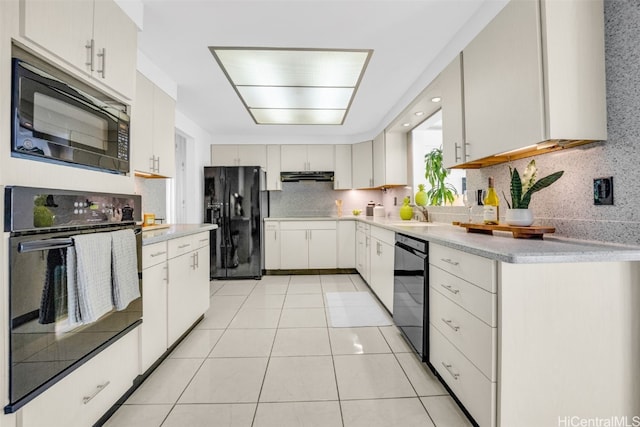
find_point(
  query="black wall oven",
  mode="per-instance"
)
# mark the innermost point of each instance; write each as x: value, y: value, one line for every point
x: 410, y: 292
x: 56, y: 119
x: 44, y: 344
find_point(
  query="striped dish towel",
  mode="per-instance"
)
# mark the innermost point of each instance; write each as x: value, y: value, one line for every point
x: 124, y: 268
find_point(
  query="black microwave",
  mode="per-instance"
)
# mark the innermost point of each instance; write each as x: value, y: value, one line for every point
x: 54, y: 120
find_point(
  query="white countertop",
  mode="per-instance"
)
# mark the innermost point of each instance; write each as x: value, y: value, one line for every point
x: 501, y: 246
x: 174, y: 231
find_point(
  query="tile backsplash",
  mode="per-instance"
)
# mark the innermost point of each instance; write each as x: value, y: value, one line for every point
x: 154, y: 196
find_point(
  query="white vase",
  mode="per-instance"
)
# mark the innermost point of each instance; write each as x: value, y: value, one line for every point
x: 519, y: 217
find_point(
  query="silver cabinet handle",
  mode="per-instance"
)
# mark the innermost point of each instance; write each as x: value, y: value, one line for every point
x: 90, y: 47
x: 102, y: 53
x: 98, y: 389
x: 152, y: 163
x: 204, y: 240
x: 157, y: 168
x: 450, y: 261
x: 186, y: 245
x: 306, y: 234
x: 197, y: 255
x: 158, y: 254
x: 451, y: 324
x: 458, y: 158
x: 450, y: 288
x: 466, y: 151
x: 448, y: 368
x: 193, y: 259
x: 310, y: 235
x: 166, y: 273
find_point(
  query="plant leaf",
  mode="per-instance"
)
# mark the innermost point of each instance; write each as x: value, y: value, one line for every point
x: 529, y: 176
x: 516, y: 189
x: 539, y: 185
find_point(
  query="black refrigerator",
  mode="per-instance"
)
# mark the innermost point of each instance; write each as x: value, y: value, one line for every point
x: 235, y: 198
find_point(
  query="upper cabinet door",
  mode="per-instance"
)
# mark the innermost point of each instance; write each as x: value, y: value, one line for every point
x: 64, y: 28
x: 142, y: 125
x: 320, y: 157
x: 293, y: 158
x: 164, y: 132
x: 453, y: 143
x: 362, y: 165
x: 116, y: 41
x: 253, y: 155
x: 503, y: 85
x: 95, y: 37
x: 224, y: 155
x: 273, y: 168
x: 342, y: 178
x: 378, y: 160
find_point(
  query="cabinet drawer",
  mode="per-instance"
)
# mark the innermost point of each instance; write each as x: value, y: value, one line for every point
x: 154, y: 254
x: 271, y: 225
x: 77, y: 399
x: 364, y: 227
x: 180, y: 246
x: 474, y: 338
x: 472, y: 268
x: 384, y: 235
x: 474, y: 390
x: 307, y: 225
x: 472, y: 298
x: 200, y: 240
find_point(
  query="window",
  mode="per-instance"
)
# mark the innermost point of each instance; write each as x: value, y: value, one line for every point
x: 426, y: 137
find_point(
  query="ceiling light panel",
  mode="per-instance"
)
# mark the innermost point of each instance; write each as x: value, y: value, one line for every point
x: 317, y: 85
x: 298, y: 117
x: 295, y: 97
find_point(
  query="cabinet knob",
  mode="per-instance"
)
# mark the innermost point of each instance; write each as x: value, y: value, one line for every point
x: 98, y: 389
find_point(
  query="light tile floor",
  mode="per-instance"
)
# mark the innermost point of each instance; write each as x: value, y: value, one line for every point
x: 266, y: 356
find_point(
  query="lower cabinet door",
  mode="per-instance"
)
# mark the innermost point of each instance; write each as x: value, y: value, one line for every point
x: 271, y: 248
x: 294, y: 249
x: 323, y: 249
x: 200, y: 282
x: 82, y: 397
x: 180, y: 310
x: 153, y: 336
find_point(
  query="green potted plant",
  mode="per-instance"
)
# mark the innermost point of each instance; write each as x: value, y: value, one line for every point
x: 522, y: 188
x: 440, y: 192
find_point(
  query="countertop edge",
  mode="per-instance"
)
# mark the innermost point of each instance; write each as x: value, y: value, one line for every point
x: 173, y: 232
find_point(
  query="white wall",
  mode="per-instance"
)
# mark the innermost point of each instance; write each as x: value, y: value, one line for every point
x: 198, y: 142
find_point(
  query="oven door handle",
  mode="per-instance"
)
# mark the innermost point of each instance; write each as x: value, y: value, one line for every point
x: 44, y: 245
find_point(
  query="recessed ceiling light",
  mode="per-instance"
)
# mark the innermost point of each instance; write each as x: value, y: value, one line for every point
x: 436, y: 99
x: 406, y: 124
x: 294, y: 86
x: 419, y: 113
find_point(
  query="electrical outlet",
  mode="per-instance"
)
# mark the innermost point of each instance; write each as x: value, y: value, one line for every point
x: 603, y: 191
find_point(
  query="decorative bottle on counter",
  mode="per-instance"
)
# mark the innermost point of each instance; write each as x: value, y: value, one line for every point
x: 491, y: 205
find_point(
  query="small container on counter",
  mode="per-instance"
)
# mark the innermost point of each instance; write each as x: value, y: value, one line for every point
x: 149, y: 219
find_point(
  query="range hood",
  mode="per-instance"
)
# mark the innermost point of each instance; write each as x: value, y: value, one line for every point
x: 306, y: 176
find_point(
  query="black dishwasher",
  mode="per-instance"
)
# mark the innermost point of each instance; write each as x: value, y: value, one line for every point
x: 410, y: 292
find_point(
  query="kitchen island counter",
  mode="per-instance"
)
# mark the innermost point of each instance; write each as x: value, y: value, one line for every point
x: 501, y: 246
x: 173, y: 231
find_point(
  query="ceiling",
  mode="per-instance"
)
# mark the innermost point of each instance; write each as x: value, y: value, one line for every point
x: 411, y: 41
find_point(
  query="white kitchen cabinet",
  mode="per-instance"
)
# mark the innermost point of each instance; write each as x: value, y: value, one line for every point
x: 153, y: 129
x: 272, y: 245
x: 81, y: 33
x: 153, y: 331
x: 82, y: 397
x: 363, y: 250
x: 390, y: 159
x: 454, y: 149
x: 535, y: 73
x: 346, y: 244
x: 294, y: 248
x: 239, y: 155
x: 342, y: 179
x: 188, y: 288
x: 381, y: 265
x: 463, y: 348
x: 311, y: 157
x: 273, y: 168
x: 308, y: 244
x: 362, y: 164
